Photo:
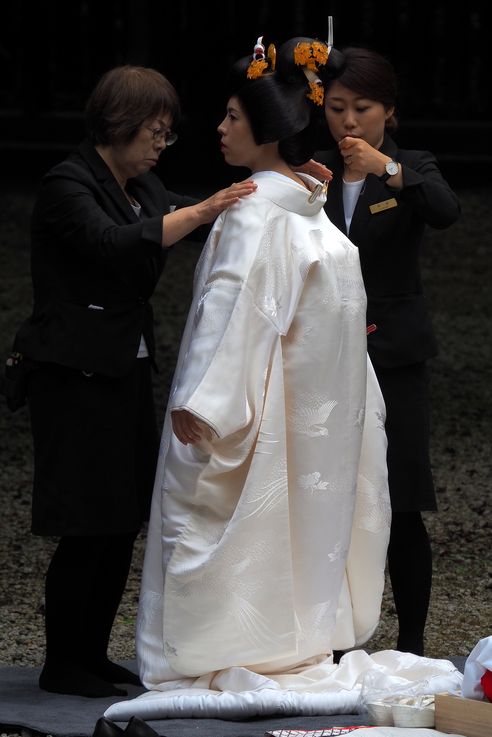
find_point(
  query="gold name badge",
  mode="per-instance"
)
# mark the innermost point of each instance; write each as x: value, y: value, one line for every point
x: 384, y: 205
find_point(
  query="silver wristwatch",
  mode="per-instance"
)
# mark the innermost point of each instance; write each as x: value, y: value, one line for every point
x: 391, y: 169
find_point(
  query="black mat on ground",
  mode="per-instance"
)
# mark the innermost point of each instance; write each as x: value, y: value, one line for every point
x: 24, y: 706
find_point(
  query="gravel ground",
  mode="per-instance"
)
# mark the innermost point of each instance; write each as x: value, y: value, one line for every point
x: 457, y: 273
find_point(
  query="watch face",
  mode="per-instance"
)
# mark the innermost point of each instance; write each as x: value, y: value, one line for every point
x: 392, y: 168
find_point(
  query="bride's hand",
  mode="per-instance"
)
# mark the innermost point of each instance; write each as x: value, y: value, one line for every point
x: 186, y: 427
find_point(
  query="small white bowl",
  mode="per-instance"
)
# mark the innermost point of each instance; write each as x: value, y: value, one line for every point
x: 379, y: 714
x: 409, y: 715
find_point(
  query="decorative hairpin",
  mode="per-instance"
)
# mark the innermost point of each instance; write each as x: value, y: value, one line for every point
x: 318, y: 191
x: 329, y: 41
x: 259, y: 64
x: 310, y: 56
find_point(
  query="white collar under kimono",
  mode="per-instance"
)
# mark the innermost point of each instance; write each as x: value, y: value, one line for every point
x: 290, y: 195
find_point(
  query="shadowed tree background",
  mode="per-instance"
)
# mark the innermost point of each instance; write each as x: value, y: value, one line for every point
x: 52, y: 52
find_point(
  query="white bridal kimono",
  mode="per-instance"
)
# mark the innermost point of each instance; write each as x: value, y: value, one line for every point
x: 267, y: 542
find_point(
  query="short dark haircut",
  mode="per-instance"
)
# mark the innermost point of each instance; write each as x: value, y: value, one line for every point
x: 124, y: 98
x: 370, y: 75
x: 276, y: 104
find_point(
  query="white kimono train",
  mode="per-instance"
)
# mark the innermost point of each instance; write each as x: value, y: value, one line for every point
x: 267, y: 542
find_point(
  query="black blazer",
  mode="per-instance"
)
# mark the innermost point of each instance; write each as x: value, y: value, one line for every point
x: 94, y: 266
x: 389, y: 243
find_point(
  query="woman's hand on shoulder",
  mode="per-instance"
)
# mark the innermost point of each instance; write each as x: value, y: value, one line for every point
x: 178, y: 224
x: 210, y: 208
x: 315, y: 169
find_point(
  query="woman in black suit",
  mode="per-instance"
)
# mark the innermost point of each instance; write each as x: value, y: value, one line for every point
x: 100, y: 229
x: 383, y: 197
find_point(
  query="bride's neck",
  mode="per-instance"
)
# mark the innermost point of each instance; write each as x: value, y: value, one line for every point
x: 270, y: 160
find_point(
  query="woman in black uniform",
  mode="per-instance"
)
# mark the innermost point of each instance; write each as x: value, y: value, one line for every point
x: 383, y: 197
x: 101, y: 226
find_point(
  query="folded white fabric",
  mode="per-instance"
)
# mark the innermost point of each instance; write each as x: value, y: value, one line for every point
x: 324, y: 688
x: 478, y: 661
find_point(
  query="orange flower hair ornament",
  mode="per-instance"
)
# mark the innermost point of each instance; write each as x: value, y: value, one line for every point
x: 310, y: 56
x: 259, y: 64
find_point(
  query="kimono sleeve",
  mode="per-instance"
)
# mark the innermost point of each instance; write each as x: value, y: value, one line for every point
x: 229, y: 341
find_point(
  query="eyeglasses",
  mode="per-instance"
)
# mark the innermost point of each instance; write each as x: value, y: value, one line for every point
x: 161, y: 134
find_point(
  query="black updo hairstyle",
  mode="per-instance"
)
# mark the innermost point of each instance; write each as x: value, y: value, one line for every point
x: 276, y: 103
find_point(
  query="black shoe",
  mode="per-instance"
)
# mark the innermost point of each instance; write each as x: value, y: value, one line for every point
x: 138, y: 728
x: 67, y: 679
x: 105, y: 728
x: 112, y: 672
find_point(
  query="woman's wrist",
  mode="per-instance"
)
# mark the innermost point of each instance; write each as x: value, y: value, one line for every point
x: 178, y: 224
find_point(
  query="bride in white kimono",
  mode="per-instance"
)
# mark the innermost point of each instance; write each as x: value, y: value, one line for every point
x: 270, y: 520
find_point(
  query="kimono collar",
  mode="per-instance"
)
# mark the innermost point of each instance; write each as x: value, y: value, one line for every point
x: 287, y: 193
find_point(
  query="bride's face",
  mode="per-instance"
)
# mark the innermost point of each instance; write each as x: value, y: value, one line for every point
x: 236, y: 137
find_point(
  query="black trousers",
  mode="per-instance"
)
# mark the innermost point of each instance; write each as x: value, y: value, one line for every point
x: 405, y: 391
x: 84, y: 585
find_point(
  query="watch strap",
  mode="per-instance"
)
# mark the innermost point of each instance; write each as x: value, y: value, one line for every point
x: 386, y: 174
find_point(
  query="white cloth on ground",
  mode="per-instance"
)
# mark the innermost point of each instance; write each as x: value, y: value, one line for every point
x: 320, y: 689
x: 478, y: 661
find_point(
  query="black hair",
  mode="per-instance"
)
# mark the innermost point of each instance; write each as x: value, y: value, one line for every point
x: 277, y: 105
